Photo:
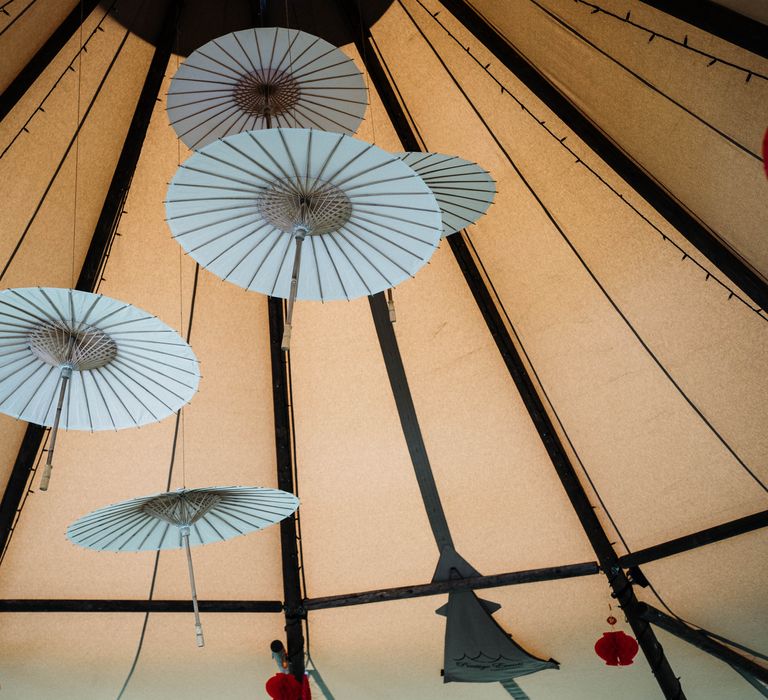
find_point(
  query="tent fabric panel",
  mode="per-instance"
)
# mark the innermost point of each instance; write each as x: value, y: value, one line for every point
x: 593, y: 367
x: 718, y: 587
x: 718, y: 181
x: 26, y: 28
x: 45, y: 257
x: 11, y: 435
x: 48, y: 254
x: 498, y: 486
x: 359, y: 651
x: 340, y: 384
x: 148, y: 267
x: 363, y: 522
x: 351, y: 457
x: 363, y: 661
x: 46, y: 655
x: 660, y: 471
x: 376, y: 128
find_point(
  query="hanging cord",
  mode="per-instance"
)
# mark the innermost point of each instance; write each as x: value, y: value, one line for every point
x: 363, y: 44
x: 41, y: 105
x: 654, y: 34
x: 154, y: 570
x: 183, y: 452
x: 314, y: 674
x: 561, y: 140
x: 561, y: 231
x: 290, y: 43
x: 180, y: 413
x: 181, y: 297
x: 77, y: 143
x: 294, y: 461
x: 179, y: 416
x: 167, y: 488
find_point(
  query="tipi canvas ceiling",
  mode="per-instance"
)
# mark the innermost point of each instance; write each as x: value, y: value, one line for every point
x: 624, y: 260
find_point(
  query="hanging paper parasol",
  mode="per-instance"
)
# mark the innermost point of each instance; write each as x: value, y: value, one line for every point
x: 243, y: 206
x: 258, y: 78
x: 109, y: 364
x: 186, y: 517
x: 463, y: 189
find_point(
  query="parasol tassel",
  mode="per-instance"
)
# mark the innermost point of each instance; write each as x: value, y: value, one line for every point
x: 286, y: 342
x: 198, y: 626
x: 66, y: 373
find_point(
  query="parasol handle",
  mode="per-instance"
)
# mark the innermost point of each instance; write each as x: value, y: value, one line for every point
x: 66, y: 373
x: 285, y: 344
x: 198, y: 626
x: 298, y: 235
x: 391, y: 306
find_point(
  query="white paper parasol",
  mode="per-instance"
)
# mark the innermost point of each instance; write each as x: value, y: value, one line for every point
x: 110, y: 364
x: 463, y: 189
x: 182, y: 518
x: 258, y: 78
x: 243, y: 206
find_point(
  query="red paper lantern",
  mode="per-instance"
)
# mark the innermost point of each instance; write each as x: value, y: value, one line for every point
x: 283, y: 686
x: 765, y: 152
x: 616, y: 648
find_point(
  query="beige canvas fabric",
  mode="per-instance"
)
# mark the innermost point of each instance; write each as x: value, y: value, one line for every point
x: 656, y: 376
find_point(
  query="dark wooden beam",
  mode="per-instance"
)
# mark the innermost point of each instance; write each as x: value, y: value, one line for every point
x: 551, y: 573
x: 698, y: 234
x: 718, y: 20
x: 601, y: 544
x: 17, y: 481
x: 703, y: 641
x: 100, y: 243
x: 75, y: 605
x: 696, y: 539
x: 45, y: 54
x: 761, y: 688
x: 473, y: 583
x: 295, y: 613
x: 114, y: 202
x: 409, y: 421
x: 607, y: 557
